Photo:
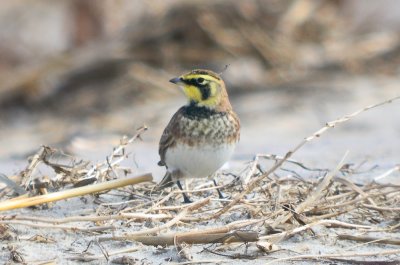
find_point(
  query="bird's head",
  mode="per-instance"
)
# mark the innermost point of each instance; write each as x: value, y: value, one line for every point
x: 204, y: 88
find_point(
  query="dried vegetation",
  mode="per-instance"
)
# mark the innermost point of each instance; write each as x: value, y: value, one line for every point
x: 267, y: 43
x: 264, y: 207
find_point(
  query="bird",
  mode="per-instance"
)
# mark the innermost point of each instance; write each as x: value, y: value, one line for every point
x: 201, y: 136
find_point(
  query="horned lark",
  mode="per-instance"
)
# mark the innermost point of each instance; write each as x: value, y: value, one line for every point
x: 202, y: 135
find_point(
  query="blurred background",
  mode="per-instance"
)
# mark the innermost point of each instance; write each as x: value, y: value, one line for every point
x: 79, y: 74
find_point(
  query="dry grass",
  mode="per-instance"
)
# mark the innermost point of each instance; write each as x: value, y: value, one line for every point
x: 286, y: 41
x: 265, y: 210
x: 266, y: 207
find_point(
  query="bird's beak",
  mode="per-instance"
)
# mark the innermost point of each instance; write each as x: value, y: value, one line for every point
x: 176, y: 80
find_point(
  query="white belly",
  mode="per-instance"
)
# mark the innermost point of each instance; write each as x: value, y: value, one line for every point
x: 198, y: 162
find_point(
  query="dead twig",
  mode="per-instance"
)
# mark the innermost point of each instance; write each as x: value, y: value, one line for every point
x: 381, y: 208
x: 183, y: 213
x: 387, y: 173
x: 61, y: 195
x: 87, y: 258
x: 255, y: 182
x: 355, y: 188
x: 370, y: 239
x: 72, y: 219
x: 327, y: 223
x: 198, y: 237
x: 339, y: 255
x: 94, y: 229
x: 314, y: 196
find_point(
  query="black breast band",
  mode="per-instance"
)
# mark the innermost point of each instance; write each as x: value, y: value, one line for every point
x: 193, y: 111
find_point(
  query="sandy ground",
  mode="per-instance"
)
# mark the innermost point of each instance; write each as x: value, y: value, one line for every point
x: 273, y: 121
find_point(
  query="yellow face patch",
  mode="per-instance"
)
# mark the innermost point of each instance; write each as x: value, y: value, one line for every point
x: 192, y: 92
x: 202, y: 89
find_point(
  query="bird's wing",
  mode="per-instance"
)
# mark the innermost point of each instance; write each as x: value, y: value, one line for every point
x: 168, y: 138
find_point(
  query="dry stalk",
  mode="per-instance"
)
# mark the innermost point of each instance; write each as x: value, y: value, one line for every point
x: 339, y: 255
x: 182, y: 214
x: 115, y: 158
x: 380, y: 208
x: 355, y: 188
x: 351, y: 193
x: 352, y: 202
x: 205, y: 261
x: 387, y: 173
x: 327, y: 223
x: 36, y: 160
x: 61, y: 227
x: 61, y: 195
x: 198, y: 237
x: 72, y: 219
x: 255, y: 182
x: 314, y: 196
x: 166, y: 198
x: 370, y: 239
x: 87, y: 258
x: 327, y: 216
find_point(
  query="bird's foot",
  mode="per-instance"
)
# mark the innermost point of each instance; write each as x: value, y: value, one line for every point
x: 186, y: 198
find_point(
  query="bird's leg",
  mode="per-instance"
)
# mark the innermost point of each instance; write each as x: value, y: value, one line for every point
x: 220, y: 194
x: 185, y: 197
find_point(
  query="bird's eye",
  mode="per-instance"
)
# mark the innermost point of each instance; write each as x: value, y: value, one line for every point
x: 200, y: 80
